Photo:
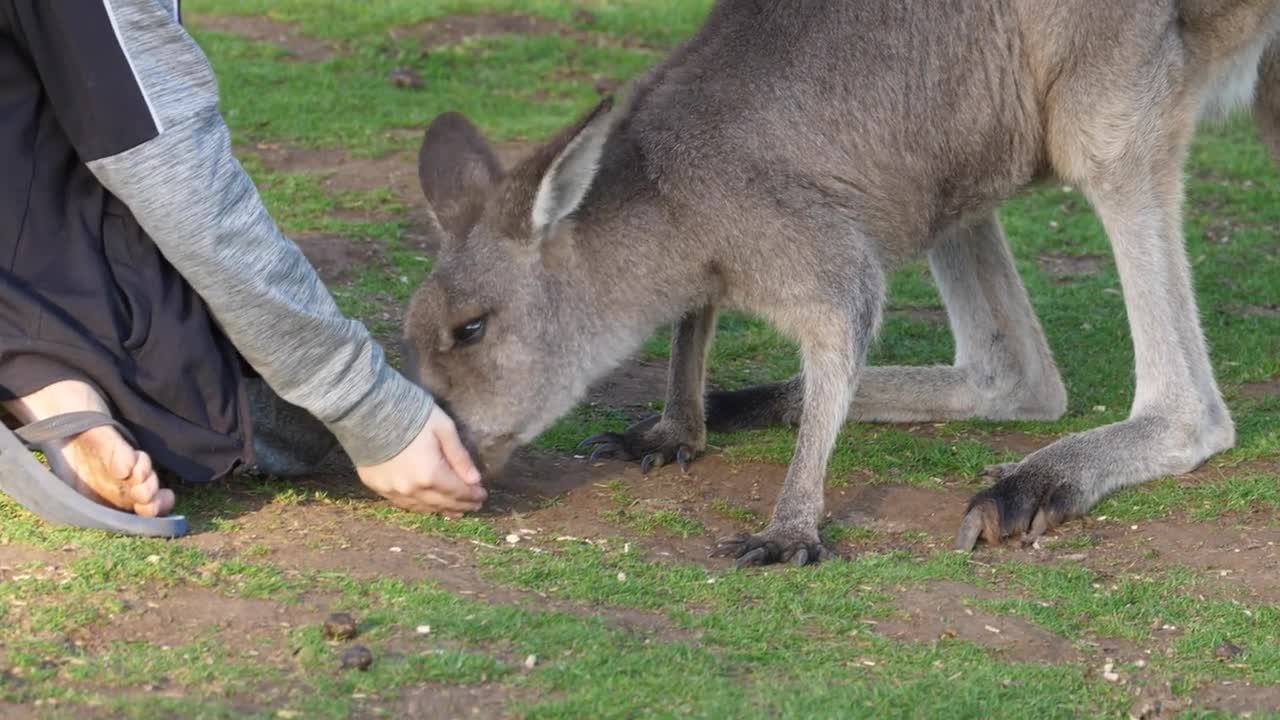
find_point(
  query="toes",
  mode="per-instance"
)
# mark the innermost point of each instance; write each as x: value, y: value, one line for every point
x: 161, y: 504
x: 1028, y: 502
x: 753, y: 558
x: 684, y: 456
x: 754, y: 551
x: 730, y: 546
x: 652, y: 461
x: 800, y: 556
x: 982, y: 520
x: 606, y: 443
x: 1051, y: 515
x: 145, y: 492
x: 142, y: 469
x: 604, y: 438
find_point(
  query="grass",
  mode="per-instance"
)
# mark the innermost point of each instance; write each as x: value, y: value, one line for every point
x: 613, y: 631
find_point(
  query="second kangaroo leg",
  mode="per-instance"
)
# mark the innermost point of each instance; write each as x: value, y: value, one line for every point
x: 1003, y: 367
x: 1178, y: 418
x: 680, y: 432
x: 834, y: 336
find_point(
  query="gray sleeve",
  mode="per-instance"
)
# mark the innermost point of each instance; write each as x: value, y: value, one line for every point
x: 194, y: 199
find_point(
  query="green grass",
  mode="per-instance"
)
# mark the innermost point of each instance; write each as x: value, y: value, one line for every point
x: 615, y: 632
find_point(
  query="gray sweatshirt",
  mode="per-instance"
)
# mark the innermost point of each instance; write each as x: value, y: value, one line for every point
x: 160, y: 145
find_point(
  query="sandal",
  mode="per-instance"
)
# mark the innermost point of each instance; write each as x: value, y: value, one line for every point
x: 31, y: 485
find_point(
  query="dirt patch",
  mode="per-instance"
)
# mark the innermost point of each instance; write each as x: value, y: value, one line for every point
x: 1262, y: 311
x: 1264, y: 389
x: 607, y: 498
x: 533, y: 478
x: 573, y: 497
x: 944, y: 610
x: 16, y: 559
x: 457, y: 29
x: 460, y: 28
x: 14, y: 711
x: 1018, y: 443
x: 1239, y: 698
x: 936, y: 316
x: 324, y: 538
x: 343, y: 173
x: 283, y: 35
x: 1244, y: 563
x: 1014, y: 442
x: 1067, y: 267
x: 169, y: 618
x: 633, y: 386
x: 903, y: 508
x: 457, y: 702
x: 336, y: 258
x: 332, y: 538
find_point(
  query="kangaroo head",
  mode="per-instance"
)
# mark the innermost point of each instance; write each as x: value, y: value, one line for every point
x: 496, y: 331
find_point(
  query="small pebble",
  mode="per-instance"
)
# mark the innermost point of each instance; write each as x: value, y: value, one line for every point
x: 530, y: 661
x: 396, y: 549
x: 356, y: 657
x: 405, y: 77
x: 1227, y: 651
x: 512, y: 539
x: 340, y: 626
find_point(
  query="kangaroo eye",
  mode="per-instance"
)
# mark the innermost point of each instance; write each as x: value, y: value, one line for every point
x: 469, y: 332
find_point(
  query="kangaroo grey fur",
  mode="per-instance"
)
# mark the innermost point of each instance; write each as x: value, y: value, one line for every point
x: 781, y: 163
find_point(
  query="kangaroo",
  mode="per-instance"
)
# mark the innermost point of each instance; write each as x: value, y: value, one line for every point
x: 782, y: 162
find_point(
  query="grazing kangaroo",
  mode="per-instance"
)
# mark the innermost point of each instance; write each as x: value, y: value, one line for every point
x: 782, y: 162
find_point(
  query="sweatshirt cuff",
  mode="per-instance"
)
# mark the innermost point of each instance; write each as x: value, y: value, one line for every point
x: 383, y: 422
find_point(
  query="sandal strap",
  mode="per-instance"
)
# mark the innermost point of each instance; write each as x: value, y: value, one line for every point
x: 66, y: 425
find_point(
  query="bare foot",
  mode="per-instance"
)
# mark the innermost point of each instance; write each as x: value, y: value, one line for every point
x: 99, y: 463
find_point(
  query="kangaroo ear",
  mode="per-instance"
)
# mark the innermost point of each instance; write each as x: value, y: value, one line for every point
x: 572, y: 169
x: 457, y: 169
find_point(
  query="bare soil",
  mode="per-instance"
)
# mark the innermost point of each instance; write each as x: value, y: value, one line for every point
x: 1240, y: 698
x: 432, y: 34
x: 944, y: 610
x: 458, y: 29
x: 936, y: 316
x: 171, y: 618
x: 456, y: 702
x: 336, y: 258
x: 1065, y: 268
x: 286, y: 36
x: 1266, y: 388
x: 1266, y: 311
x: 633, y: 387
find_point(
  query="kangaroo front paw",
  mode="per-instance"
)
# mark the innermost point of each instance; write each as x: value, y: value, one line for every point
x: 1027, y: 500
x: 773, y: 546
x: 651, y: 441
